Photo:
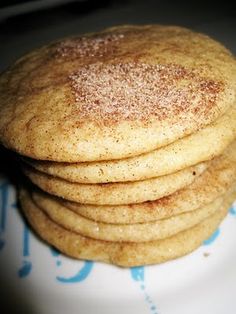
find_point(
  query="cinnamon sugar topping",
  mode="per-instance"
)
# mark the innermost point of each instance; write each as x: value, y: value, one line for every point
x: 136, y: 91
x: 91, y: 46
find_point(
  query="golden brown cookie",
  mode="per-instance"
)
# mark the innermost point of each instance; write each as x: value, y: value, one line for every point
x: 214, y: 182
x: 203, y: 145
x: 118, y: 253
x: 116, y: 193
x: 139, y: 232
x: 115, y: 94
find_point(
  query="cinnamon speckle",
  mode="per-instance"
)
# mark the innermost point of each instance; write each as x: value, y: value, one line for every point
x: 88, y: 46
x: 138, y: 91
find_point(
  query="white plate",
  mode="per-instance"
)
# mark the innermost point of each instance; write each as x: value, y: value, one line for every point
x: 39, y: 280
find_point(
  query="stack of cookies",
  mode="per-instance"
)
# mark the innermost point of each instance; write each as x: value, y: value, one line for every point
x: 128, y: 139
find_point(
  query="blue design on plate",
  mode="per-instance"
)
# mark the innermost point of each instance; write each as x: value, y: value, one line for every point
x: 56, y: 254
x: 26, y: 266
x: 26, y: 249
x: 25, y: 269
x: 137, y: 274
x: 4, y: 187
x: 212, y: 238
x: 54, y: 251
x: 81, y: 275
x: 4, y: 200
x: 232, y: 211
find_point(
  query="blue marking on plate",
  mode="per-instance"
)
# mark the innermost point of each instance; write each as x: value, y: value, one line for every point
x: 56, y: 254
x: 26, y: 248
x: 26, y: 266
x: 4, y: 200
x: 25, y: 269
x: 81, y: 275
x: 212, y: 238
x: 137, y: 274
x: 54, y: 251
x: 232, y: 211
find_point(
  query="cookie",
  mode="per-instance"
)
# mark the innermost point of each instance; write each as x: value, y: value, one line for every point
x: 140, y: 232
x: 203, y: 145
x: 120, y: 253
x: 116, y: 193
x: 115, y: 94
x: 214, y: 182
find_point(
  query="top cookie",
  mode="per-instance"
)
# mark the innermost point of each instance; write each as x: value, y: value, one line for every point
x: 114, y: 94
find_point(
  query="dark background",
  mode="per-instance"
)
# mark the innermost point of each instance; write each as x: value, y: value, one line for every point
x: 20, y: 33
